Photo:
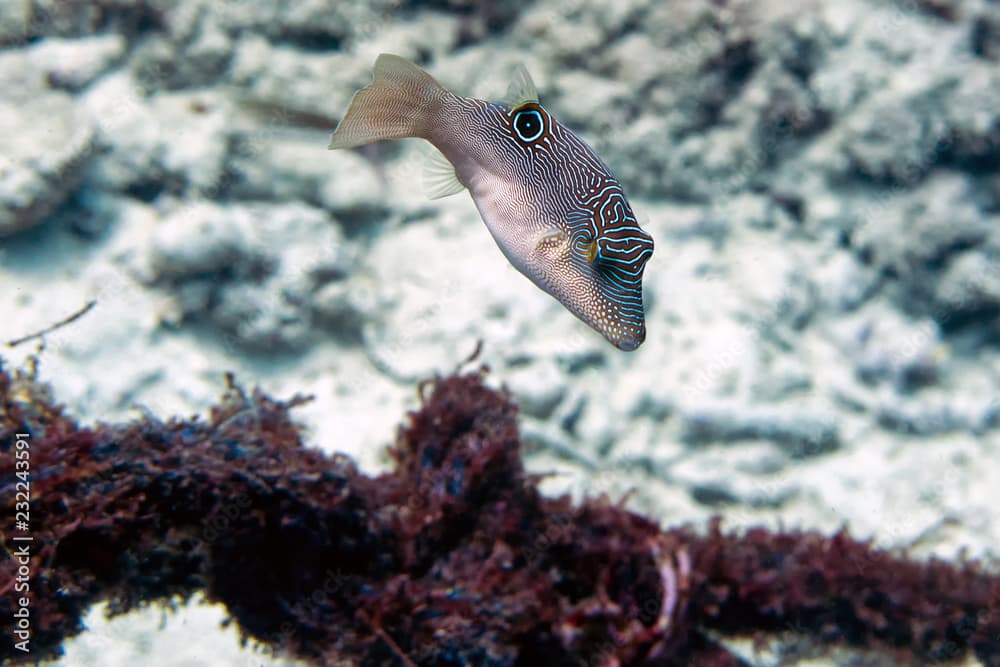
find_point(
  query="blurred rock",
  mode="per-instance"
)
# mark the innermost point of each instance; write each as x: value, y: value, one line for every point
x: 207, y: 240
x: 777, y: 290
x: 73, y: 64
x: 170, y: 143
x: 310, y: 25
x: 194, y: 131
x: 719, y: 493
x: 969, y: 288
x: 353, y: 189
x: 843, y: 282
x: 538, y: 388
x: 15, y: 20
x: 984, y: 34
x: 132, y: 160
x: 989, y: 193
x: 48, y: 18
x: 47, y: 143
x: 266, y: 166
x: 915, y: 238
x: 973, y: 116
x: 250, y: 270
x: 342, y: 307
x: 906, y: 354
x: 800, y: 432
x: 922, y: 419
x: 162, y: 64
x: 785, y: 378
x: 900, y: 140
x: 320, y: 84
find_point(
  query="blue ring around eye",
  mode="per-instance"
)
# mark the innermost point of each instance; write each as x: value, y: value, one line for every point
x: 541, y: 125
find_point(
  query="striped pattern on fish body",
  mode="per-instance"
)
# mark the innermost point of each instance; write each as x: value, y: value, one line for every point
x: 553, y: 207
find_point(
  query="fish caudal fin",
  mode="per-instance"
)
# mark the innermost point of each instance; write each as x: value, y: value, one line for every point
x: 399, y: 102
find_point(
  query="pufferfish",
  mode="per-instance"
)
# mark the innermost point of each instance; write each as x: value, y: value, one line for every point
x: 549, y: 201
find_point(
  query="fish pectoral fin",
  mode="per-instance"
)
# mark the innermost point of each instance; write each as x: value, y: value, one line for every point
x: 548, y: 240
x: 439, y: 177
x: 522, y: 89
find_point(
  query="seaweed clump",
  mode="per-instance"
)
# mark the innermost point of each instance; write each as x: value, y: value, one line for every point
x: 453, y: 558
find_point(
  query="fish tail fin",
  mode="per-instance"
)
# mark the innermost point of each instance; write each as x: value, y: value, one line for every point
x: 399, y: 102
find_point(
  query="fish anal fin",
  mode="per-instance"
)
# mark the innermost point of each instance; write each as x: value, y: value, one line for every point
x: 439, y: 178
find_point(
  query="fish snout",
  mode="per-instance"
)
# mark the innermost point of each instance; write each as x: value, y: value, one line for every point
x: 602, y: 287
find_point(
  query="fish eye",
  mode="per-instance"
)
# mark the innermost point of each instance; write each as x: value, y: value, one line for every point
x: 586, y: 246
x: 528, y: 124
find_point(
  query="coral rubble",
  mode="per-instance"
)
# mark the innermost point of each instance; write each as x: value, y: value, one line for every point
x: 453, y: 558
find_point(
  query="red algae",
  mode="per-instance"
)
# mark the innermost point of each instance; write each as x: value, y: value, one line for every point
x: 453, y: 558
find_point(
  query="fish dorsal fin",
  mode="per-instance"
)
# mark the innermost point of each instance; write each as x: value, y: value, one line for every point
x: 522, y: 89
x: 439, y: 177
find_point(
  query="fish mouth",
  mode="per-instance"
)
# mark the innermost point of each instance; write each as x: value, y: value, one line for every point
x: 629, y: 343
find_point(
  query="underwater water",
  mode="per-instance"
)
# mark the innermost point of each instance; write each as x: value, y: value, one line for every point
x: 822, y: 309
